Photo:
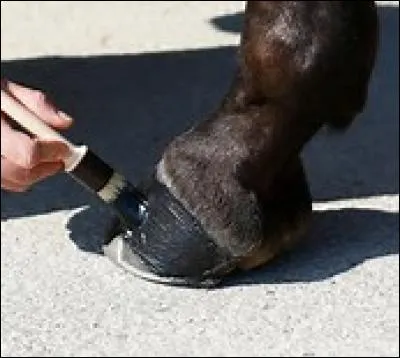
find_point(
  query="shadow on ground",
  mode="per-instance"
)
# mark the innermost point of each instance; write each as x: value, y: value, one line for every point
x: 339, y: 241
x: 128, y: 107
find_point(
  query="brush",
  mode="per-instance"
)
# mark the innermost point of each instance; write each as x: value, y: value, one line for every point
x: 83, y: 165
x: 159, y: 240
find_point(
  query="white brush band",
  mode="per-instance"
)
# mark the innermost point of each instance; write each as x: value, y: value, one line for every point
x: 113, y: 187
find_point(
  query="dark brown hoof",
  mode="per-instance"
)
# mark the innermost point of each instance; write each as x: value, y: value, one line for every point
x: 170, y: 246
x: 121, y: 252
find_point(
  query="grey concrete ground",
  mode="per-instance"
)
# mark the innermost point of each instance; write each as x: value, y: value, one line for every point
x: 135, y: 74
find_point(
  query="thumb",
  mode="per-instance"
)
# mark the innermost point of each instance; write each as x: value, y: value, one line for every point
x: 51, y: 151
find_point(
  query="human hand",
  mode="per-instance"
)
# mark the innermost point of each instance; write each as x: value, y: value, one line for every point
x: 26, y: 160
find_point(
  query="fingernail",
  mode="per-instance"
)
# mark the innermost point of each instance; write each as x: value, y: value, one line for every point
x: 64, y: 116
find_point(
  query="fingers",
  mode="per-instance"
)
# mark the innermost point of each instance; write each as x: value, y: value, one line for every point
x: 26, y: 152
x: 40, y: 104
x: 26, y: 160
x: 18, y: 179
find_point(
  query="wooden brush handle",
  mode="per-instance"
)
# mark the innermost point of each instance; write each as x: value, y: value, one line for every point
x: 22, y: 115
x: 81, y: 163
